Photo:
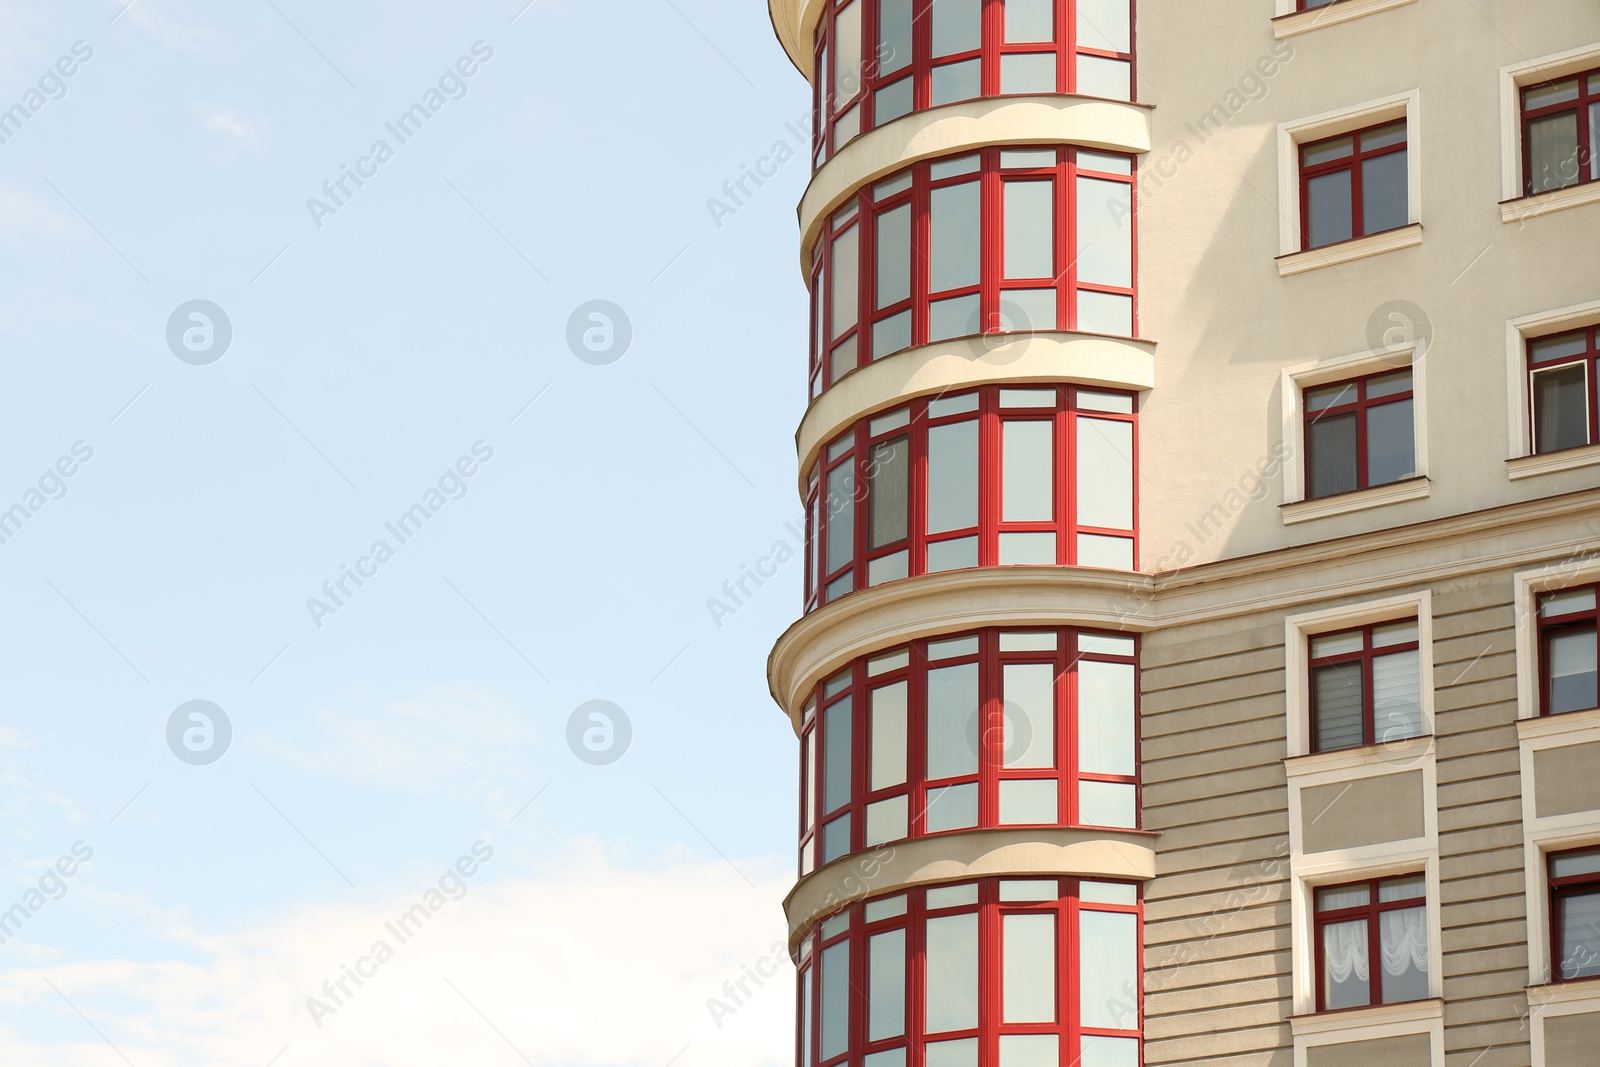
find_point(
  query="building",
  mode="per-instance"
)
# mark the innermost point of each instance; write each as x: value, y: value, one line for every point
x: 1202, y: 471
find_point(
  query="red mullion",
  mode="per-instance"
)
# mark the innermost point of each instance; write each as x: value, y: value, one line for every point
x: 989, y: 46
x: 991, y: 236
x: 916, y: 973
x: 1133, y: 93
x: 867, y: 279
x: 1066, y: 46
x: 991, y: 725
x: 856, y: 1000
x: 1067, y: 741
x: 860, y: 736
x: 1070, y: 970
x: 921, y: 56
x: 917, y: 741
x: 917, y: 521
x: 989, y: 459
x: 1066, y: 241
x: 1064, y: 424
x: 921, y: 264
x: 991, y: 972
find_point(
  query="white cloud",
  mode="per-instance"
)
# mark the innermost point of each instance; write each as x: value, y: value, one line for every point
x: 248, y: 131
x: 28, y: 219
x: 152, y: 17
x: 579, y: 962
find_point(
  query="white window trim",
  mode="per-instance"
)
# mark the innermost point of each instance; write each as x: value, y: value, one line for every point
x: 1288, y: 22
x: 1372, y: 1024
x: 1298, y: 630
x: 1580, y: 568
x: 1512, y: 79
x: 1291, y: 135
x: 1296, y: 380
x: 1519, y: 332
x: 1564, y: 832
x: 1552, y: 1002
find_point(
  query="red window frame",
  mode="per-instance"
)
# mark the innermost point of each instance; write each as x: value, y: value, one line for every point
x: 864, y: 209
x: 1364, y: 656
x: 1589, y: 359
x: 853, y: 451
x: 1369, y: 911
x: 1554, y: 625
x: 1313, y: 5
x: 1362, y: 405
x: 1588, y: 87
x: 1560, y: 888
x: 856, y: 684
x: 1352, y: 163
x: 992, y: 47
x: 1067, y: 907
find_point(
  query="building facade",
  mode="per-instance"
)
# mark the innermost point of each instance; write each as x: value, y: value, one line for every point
x: 1202, y: 472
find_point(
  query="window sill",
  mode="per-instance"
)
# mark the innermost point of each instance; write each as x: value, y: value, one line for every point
x: 1529, y: 207
x: 1345, y: 251
x: 1297, y: 22
x: 1574, y: 991
x: 1380, y: 758
x: 1385, y: 1015
x: 1345, y: 503
x: 1568, y: 722
x: 1551, y: 462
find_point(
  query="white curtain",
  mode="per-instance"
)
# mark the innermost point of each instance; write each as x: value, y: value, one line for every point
x: 1344, y: 950
x: 1404, y: 936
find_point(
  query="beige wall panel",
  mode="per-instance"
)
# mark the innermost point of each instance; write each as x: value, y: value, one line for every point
x: 1572, y: 1040
x: 1505, y: 813
x: 1412, y: 1050
x: 1474, y: 694
x: 1341, y: 816
x: 1219, y: 741
x: 1169, y: 721
x: 1567, y: 779
x: 1194, y: 644
x: 1184, y: 673
x: 1228, y: 806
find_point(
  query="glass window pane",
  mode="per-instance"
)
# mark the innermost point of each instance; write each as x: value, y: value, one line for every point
x: 962, y: 1053
x: 1346, y: 972
x: 1028, y: 72
x: 1566, y: 602
x: 1105, y: 313
x: 953, y: 807
x: 1028, y: 471
x: 1111, y: 79
x: 954, y: 236
x: 1030, y: 1050
x: 1537, y: 96
x: 1105, y: 25
x: 1111, y: 553
x: 1391, y: 443
x: 1105, y: 240
x: 1113, y: 402
x: 1340, y: 644
x: 894, y: 1057
x: 806, y: 988
x: 1030, y: 21
x: 1337, y: 898
x: 847, y: 52
x: 886, y: 985
x: 952, y: 721
x: 846, y: 268
x: 952, y: 476
x: 952, y: 648
x: 1331, y: 396
x: 1384, y: 201
x: 892, y: 102
x: 1573, y: 864
x: 1027, y: 158
x: 1580, y: 934
x: 1109, y: 1052
x: 1562, y: 346
x: 1028, y: 979
x: 1029, y: 694
x: 1027, y: 310
x: 894, y: 36
x: 1109, y: 961
x: 1105, y: 473
x: 888, y: 820
x: 1571, y: 670
x: 1107, y: 726
x: 1029, y: 890
x: 952, y: 973
x: 1399, y: 633
x: 952, y: 555
x: 891, y: 335
x: 1012, y: 399
x: 835, y: 980
x: 1414, y: 887
x: 1594, y: 131
x: 952, y: 896
x: 1389, y: 385
x: 950, y: 168
x: 1383, y: 137
x: 836, y: 838
x: 1108, y: 804
x: 1104, y: 163
x: 847, y: 127
x: 1561, y: 408
x: 1030, y: 641
x: 1030, y: 229
x: 888, y: 492
x: 1553, y: 151
x: 956, y: 317
x: 1337, y: 694
x: 1108, y: 893
x: 1327, y: 151
x: 841, y: 516
x: 1333, y: 456
x: 957, y: 26
x: 886, y: 908
x: 809, y: 797
x: 956, y: 81
x: 1027, y: 549
x: 888, y: 736
x: 894, y: 256
x: 836, y: 723
x: 1030, y: 802
x: 1396, y: 696
x: 1328, y: 207
x: 1106, y: 644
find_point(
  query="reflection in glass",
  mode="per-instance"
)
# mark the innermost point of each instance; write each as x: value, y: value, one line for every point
x: 952, y: 973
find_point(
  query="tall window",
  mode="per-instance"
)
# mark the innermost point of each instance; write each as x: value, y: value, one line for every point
x: 1560, y: 132
x: 1353, y: 185
x: 1372, y: 943
x: 1561, y: 387
x: 995, y: 728
x: 878, y: 60
x: 1575, y: 914
x: 1004, y: 240
x: 1041, y: 475
x: 1360, y: 434
x: 1366, y: 686
x: 1568, y: 650
x: 1025, y: 972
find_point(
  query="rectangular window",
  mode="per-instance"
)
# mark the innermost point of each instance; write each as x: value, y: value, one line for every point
x: 1030, y: 228
x: 953, y: 242
x: 1560, y: 127
x: 1353, y: 185
x: 1366, y: 686
x: 1575, y: 914
x: 1561, y: 387
x: 1360, y: 434
x: 889, y: 492
x: 1028, y: 982
x: 1109, y: 989
x: 886, y: 985
x: 836, y: 726
x: 952, y: 973
x: 952, y: 721
x: 1568, y: 651
x: 1372, y: 943
x: 835, y: 1001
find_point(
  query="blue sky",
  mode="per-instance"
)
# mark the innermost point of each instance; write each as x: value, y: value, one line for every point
x: 373, y: 348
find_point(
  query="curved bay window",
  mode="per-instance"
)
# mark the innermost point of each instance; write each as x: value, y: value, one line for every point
x: 988, y: 729
x: 1041, y: 475
x: 877, y: 60
x: 1031, y: 972
x: 1001, y: 240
